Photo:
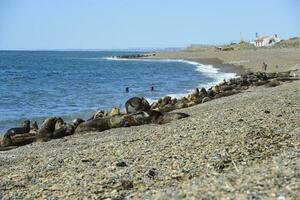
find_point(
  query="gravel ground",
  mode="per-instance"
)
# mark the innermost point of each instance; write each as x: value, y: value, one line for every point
x: 245, y: 146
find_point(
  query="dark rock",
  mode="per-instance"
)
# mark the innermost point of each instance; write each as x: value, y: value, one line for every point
x: 121, y: 164
x: 127, y: 185
x: 151, y: 173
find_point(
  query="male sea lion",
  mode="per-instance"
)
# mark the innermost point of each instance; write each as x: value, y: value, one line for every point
x: 136, y: 104
x: 45, y: 133
x: 14, y: 131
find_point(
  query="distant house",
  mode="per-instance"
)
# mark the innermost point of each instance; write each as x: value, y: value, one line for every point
x: 262, y: 41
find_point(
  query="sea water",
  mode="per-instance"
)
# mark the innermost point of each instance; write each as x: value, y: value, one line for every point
x: 39, y: 84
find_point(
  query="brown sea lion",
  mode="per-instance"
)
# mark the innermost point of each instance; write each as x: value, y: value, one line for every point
x: 136, y: 104
x: 14, y: 131
x: 115, y: 111
x: 35, y: 127
x: 98, y: 125
x: 60, y: 129
x: 99, y: 114
x: 138, y: 118
x: 168, y: 117
x: 71, y: 127
x: 45, y: 133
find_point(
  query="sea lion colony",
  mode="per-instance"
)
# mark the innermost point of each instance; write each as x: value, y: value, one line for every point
x: 138, y: 111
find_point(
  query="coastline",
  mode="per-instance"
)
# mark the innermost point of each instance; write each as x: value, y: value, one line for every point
x: 223, y: 150
x: 278, y: 60
x: 202, y: 156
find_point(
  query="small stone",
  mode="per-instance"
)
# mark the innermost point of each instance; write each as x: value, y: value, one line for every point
x: 267, y: 111
x: 86, y: 160
x: 127, y: 184
x: 121, y: 164
x: 240, y: 120
x: 151, y: 173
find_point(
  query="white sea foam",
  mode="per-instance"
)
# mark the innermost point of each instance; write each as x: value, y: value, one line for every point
x: 208, y: 70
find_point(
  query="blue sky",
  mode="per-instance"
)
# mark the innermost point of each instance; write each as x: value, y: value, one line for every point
x: 118, y: 24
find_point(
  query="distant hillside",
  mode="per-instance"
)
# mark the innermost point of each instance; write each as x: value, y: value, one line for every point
x: 290, y: 43
x: 239, y: 46
x: 198, y: 47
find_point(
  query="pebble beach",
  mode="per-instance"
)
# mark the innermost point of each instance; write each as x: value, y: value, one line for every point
x: 245, y: 146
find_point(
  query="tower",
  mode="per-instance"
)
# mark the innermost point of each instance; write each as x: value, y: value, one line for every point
x: 241, y: 38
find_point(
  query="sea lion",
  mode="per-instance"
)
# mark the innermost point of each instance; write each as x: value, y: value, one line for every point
x: 14, y: 131
x: 99, y: 114
x: 138, y: 118
x: 115, y: 111
x: 168, y: 117
x: 35, y: 127
x: 136, y: 104
x: 45, y: 133
x: 59, y: 129
x: 71, y: 127
x: 98, y: 125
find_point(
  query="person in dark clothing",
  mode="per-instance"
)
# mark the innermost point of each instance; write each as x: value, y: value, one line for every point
x: 264, y: 66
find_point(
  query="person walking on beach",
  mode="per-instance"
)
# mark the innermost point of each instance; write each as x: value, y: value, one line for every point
x: 264, y: 66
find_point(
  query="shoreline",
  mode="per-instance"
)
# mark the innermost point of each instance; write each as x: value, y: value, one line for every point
x: 278, y: 60
x: 224, y: 149
x: 199, y: 156
x: 216, y: 64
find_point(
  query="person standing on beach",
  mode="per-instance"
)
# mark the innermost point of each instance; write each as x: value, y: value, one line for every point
x: 264, y: 66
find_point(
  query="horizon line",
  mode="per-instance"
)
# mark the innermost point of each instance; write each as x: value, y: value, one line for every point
x: 104, y: 49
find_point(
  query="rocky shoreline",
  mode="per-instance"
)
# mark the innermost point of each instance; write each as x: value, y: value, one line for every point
x: 239, y: 138
x: 242, y: 146
x: 138, y: 111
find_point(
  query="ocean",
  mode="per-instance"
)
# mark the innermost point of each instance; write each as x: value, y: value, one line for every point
x: 39, y: 84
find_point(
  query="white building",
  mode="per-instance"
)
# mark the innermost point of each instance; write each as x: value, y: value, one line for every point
x: 262, y: 41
